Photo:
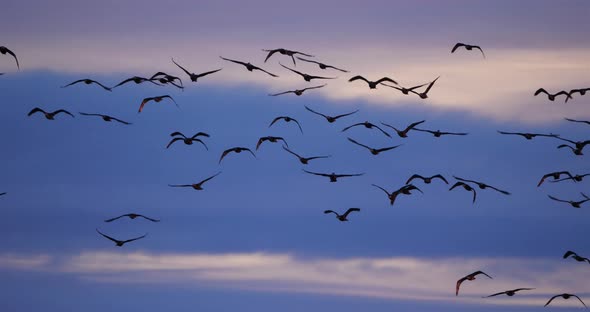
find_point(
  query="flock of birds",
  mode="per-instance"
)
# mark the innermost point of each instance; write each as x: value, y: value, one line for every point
x: 468, y: 185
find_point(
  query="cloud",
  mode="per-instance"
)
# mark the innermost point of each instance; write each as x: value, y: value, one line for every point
x: 24, y: 262
x: 395, y: 278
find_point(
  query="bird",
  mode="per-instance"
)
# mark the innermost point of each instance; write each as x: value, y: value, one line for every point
x: 88, y: 81
x: 575, y: 204
x: 106, y: 118
x: 155, y: 99
x: 342, y: 217
x: 249, y: 66
x: 565, y: 296
x: 438, y: 133
x: 554, y: 175
x: 187, y: 140
x: 136, y: 80
x: 285, y: 52
x: 579, y: 121
x: 164, y: 78
x: 424, y: 95
x: 575, y: 256
x: 330, y: 119
x: 374, y: 151
x: 49, y: 116
x: 576, y: 151
x: 120, y: 243
x: 197, y: 186
x: 465, y: 186
x: 404, y: 133
x: 367, y: 125
x: 482, y: 185
x: 286, y: 119
x: 236, y: 150
x: 194, y: 77
x: 578, y: 144
x: 529, y: 136
x: 405, y: 190
x: 304, y: 160
x: 271, y: 139
x: 581, y: 91
x: 468, y: 47
x: 305, y: 76
x: 469, y: 277
x: 403, y: 90
x: 333, y: 176
x: 4, y: 50
x: 509, y: 293
x: 575, y: 178
x: 298, y: 92
x: 550, y: 96
x: 322, y: 65
x: 132, y: 216
x: 427, y: 180
x: 4, y: 193
x: 372, y: 84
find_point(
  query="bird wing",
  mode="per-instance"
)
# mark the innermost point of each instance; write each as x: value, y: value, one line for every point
x: 306, y: 60
x: 260, y: 142
x: 499, y: 190
x: 357, y: 143
x: 183, y: 69
x: 383, y: 131
x: 412, y: 125
x: 113, y: 219
x: 260, y: 69
x: 177, y: 133
x: 480, y: 50
x: 496, y: 294
x: 233, y: 61
x: 386, y: 79
x: 548, y: 302
x: 63, y: 111
x: 119, y: 120
x: 415, y: 176
x: 379, y: 150
x: 298, y: 72
x: 336, y: 68
x: 481, y: 272
x: 569, y: 253
x: 107, y: 237
x: 317, y: 173
x: 357, y: 78
x: 200, y: 141
x: 430, y: 85
x: 148, y: 218
x: 349, y: 211
x: 316, y: 87
x: 357, y: 124
x: 247, y: 149
x: 134, y: 239
x: 209, y: 178
x: 180, y: 185
x: 103, y: 86
x: 384, y: 190
x: 291, y: 152
x: 13, y: 55
x: 557, y: 199
x: 201, y: 134
x: 541, y: 90
x: 225, y: 153
x: 270, y: 53
x: 124, y: 82
x: 331, y: 211
x: 143, y: 103
x: 458, y: 45
x: 459, y: 285
x: 172, y: 141
x: 311, y: 110
x: 474, y: 197
x: 440, y: 177
x: 580, y: 300
x: 297, y: 52
x: 208, y: 73
x: 73, y: 83
x: 277, y: 94
x: 344, y: 115
x: 35, y: 110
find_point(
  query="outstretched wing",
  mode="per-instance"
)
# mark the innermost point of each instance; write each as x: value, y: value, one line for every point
x: 35, y: 110
x: 270, y: 53
x: 172, y: 141
x: 134, y: 239
x: 386, y: 79
x: 440, y: 177
x: 496, y: 294
x: 548, y: 302
x: 357, y: 143
x: 415, y: 176
x: 557, y: 199
x: 349, y: 211
x: 580, y: 300
x: 412, y: 125
x: 107, y: 237
x: 316, y: 87
x: 311, y: 110
x: 150, y: 219
x: 357, y: 78
x: 208, y: 73
x: 379, y: 187
x: 458, y: 45
x: 113, y: 219
x: 344, y: 115
x: 209, y: 178
x: 233, y: 61
x: 63, y: 111
x: 183, y: 69
x: 316, y: 173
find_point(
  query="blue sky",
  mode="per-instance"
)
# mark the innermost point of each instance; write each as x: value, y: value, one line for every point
x: 256, y: 237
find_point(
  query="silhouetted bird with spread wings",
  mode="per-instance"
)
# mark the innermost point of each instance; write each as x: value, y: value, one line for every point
x: 156, y: 99
x: 106, y: 118
x: 188, y: 140
x: 136, y: 80
x: 331, y: 119
x: 438, y: 133
x: 508, y: 293
x: 298, y: 92
x: 304, y: 160
x: 482, y: 185
x: 131, y: 216
x: 575, y: 256
x: 405, y: 91
x: 374, y: 151
x: 564, y: 296
x: 575, y: 204
x: 468, y: 47
x: 284, y: 52
x: 530, y: 136
x: 367, y: 125
x: 194, y: 77
x: 469, y: 277
x: 196, y: 186
x: 404, y: 133
x: 236, y: 150
x: 272, y: 139
x: 576, y: 178
x: 342, y: 217
x: 322, y: 65
x: 466, y: 187
x: 372, y: 84
x: 333, y: 176
x: 552, y: 97
x: 49, y: 116
x: 249, y: 66
x: 555, y: 175
x: 120, y: 243
x: 286, y: 119
x: 573, y: 91
x: 427, y: 180
x: 305, y: 76
x: 424, y: 95
x: 88, y: 81
x: 405, y: 190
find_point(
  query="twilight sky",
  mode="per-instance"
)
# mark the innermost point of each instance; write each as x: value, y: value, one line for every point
x: 256, y: 238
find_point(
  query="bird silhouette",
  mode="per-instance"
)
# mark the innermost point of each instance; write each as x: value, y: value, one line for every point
x: 164, y: 78
x: 573, y: 91
x: 554, y: 175
x: 403, y: 90
x: 367, y: 125
x: 372, y: 84
x: 3, y: 193
x: 578, y: 121
x: 482, y: 185
x: 136, y: 80
x: 106, y: 118
x: 156, y: 99
x: 49, y: 116
x: 552, y: 97
x: 271, y: 139
x: 303, y: 160
x: 195, y: 77
x: 187, y: 140
x: 342, y: 217
x: 469, y: 277
x: 575, y: 256
x: 331, y: 119
x: 578, y: 144
x: 88, y: 81
x: 509, y: 293
x: 374, y: 151
x: 529, y: 136
x: 427, y: 180
x: 298, y: 92
x: 322, y: 65
x: 405, y: 190
x: 249, y: 66
x: 576, y: 151
x: 197, y: 186
x: 424, y: 95
x: 575, y: 204
x: 236, y: 150
x: 466, y: 187
x: 403, y: 133
x: 468, y: 47
x: 333, y: 176
x: 305, y: 76
x: 4, y: 50
x: 564, y: 296
x: 131, y: 216
x: 576, y: 178
x: 286, y: 119
x: 284, y: 52
x: 120, y: 243
x: 438, y: 133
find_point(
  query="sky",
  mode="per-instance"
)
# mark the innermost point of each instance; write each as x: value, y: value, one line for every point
x: 256, y: 237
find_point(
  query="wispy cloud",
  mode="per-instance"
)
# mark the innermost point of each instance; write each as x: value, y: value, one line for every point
x: 24, y: 262
x: 397, y: 278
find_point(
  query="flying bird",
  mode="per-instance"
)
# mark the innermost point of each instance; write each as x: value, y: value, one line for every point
x: 305, y: 76
x: 576, y: 151
x: 322, y: 65
x: 372, y: 84
x: 271, y: 139
x: 509, y: 293
x: 405, y: 91
x: 88, y: 81
x: 343, y: 216
x: 404, y: 133
x: 466, y: 187
x: 136, y: 80
x: 405, y: 190
x: 194, y: 77
x: 236, y: 150
x: 330, y: 119
x: 469, y: 277
x: 482, y: 185
x: 132, y: 216
x: 156, y: 99
x: 438, y: 133
x: 106, y: 118
x: 5, y: 50
x: 565, y: 296
x: 120, y: 243
x: 298, y: 92
x: 424, y: 95
x: 554, y: 175
x: 303, y: 160
x: 581, y: 91
x: 164, y: 78
x: 187, y: 140
x: 579, y: 121
x: 374, y: 151
x: 578, y: 144
x: 550, y: 96
x: 468, y: 47
x: 284, y: 52
x: 49, y: 116
x: 4, y: 193
x: 286, y: 119
x: 575, y: 256
x: 530, y: 136
x: 427, y: 180
x: 249, y: 66
x: 575, y: 204
x: 367, y: 125
x: 333, y: 176
x: 196, y: 186
x: 575, y: 178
